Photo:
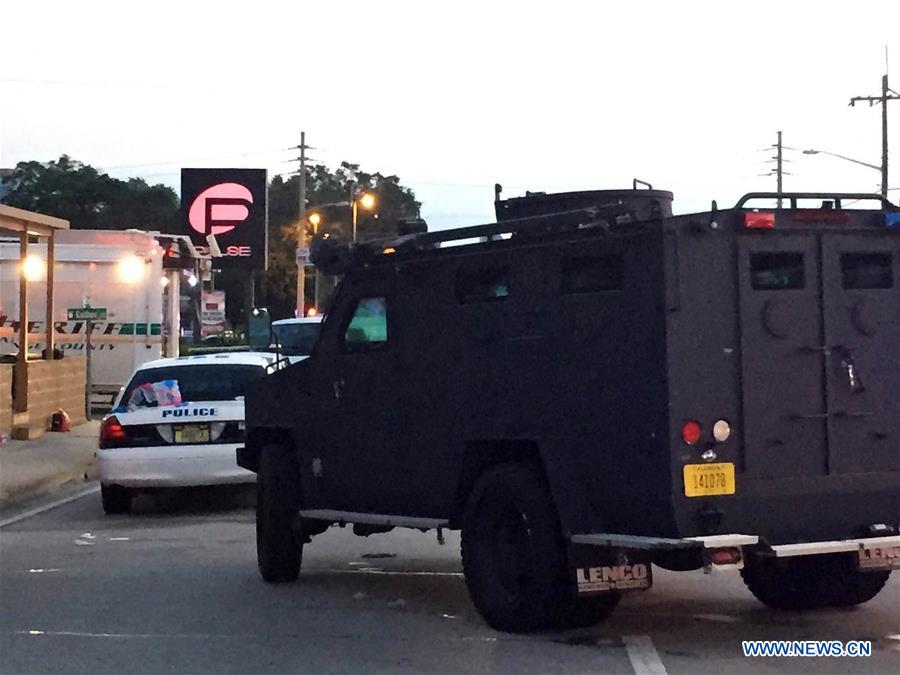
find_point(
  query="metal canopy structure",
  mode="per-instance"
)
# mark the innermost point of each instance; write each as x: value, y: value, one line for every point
x: 29, y: 224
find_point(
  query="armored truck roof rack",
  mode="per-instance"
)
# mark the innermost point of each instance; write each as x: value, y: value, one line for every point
x: 536, y: 214
x: 833, y: 199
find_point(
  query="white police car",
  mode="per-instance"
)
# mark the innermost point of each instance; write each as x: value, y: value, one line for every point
x: 295, y: 338
x: 177, y: 423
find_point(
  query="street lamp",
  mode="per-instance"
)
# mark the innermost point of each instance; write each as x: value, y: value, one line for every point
x: 854, y: 161
x: 363, y: 199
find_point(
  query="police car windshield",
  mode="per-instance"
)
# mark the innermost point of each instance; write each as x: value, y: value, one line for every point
x: 297, y: 339
x: 171, y: 385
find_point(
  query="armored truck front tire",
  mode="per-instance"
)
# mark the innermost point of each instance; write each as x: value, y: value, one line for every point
x: 811, y: 582
x: 279, y: 547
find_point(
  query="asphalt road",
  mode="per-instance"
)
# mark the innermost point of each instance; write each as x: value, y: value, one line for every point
x: 174, y: 588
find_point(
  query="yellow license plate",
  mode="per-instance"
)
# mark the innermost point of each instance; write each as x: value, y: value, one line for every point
x: 702, y: 480
x: 192, y: 433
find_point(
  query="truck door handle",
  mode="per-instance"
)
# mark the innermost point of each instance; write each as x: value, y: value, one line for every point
x: 810, y: 416
x: 827, y: 350
x: 338, y: 387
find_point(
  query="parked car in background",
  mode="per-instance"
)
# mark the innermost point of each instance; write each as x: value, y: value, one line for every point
x: 295, y: 338
x: 177, y: 423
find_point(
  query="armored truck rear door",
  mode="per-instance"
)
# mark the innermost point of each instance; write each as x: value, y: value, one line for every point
x: 862, y: 337
x: 820, y: 351
x: 785, y: 416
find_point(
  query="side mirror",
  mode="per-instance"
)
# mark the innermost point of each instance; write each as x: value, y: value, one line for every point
x: 259, y: 328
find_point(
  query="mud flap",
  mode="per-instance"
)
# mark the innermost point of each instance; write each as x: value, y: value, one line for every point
x: 596, y: 571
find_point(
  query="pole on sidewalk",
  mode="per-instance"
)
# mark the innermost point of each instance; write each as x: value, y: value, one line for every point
x: 87, y: 376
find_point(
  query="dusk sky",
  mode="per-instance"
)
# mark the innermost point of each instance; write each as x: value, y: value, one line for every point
x: 455, y: 97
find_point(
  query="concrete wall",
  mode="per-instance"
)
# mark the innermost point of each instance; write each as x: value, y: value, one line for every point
x: 6, y: 414
x: 53, y: 385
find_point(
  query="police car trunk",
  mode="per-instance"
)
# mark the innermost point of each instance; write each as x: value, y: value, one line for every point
x: 783, y: 358
x: 147, y: 442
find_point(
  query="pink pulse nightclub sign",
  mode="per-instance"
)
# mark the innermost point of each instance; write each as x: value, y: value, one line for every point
x: 232, y: 205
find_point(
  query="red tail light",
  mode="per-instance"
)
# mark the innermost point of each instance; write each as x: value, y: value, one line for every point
x: 690, y: 432
x: 759, y: 221
x: 112, y: 433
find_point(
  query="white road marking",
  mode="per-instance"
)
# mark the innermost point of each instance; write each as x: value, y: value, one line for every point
x: 643, y: 656
x: 397, y: 573
x: 52, y: 505
x: 721, y: 618
x: 120, y: 539
x: 41, y: 570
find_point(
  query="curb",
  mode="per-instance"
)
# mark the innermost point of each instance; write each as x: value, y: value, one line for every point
x: 81, y: 472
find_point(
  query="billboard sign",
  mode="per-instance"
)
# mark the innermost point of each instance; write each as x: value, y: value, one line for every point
x: 212, y: 312
x: 230, y: 204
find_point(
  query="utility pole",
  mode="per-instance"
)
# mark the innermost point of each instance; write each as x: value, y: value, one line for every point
x: 887, y: 94
x: 301, y: 228
x: 778, y: 172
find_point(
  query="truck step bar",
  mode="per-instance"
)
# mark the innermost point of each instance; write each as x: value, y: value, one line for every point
x: 660, y: 543
x: 721, y: 541
x: 839, y: 546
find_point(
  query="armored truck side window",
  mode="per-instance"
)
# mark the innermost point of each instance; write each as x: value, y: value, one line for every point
x: 482, y: 284
x: 776, y: 271
x: 368, y: 327
x: 593, y: 274
x: 867, y: 271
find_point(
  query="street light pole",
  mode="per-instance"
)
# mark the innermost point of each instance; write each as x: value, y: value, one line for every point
x: 844, y: 157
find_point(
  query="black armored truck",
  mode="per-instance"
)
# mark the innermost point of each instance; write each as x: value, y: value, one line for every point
x: 592, y: 386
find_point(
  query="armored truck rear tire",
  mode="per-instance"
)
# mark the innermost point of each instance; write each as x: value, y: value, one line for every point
x: 852, y: 587
x: 811, y: 582
x: 279, y: 548
x: 513, y: 554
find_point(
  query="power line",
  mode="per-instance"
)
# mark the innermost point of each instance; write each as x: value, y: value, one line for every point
x: 197, y: 159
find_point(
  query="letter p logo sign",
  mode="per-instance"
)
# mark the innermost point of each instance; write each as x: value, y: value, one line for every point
x: 220, y: 208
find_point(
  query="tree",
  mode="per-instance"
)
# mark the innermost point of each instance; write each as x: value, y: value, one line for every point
x: 88, y: 199
x: 277, y: 286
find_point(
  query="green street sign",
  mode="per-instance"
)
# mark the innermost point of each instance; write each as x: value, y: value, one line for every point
x: 86, y: 314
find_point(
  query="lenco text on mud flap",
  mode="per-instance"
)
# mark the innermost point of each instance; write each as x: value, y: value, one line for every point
x: 602, y: 571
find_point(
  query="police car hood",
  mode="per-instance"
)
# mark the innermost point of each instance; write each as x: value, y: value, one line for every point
x: 195, y: 411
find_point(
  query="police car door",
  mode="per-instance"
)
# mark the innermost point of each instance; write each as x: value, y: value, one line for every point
x: 359, y: 471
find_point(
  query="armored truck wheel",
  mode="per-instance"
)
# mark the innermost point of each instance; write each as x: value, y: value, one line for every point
x: 811, y: 582
x: 115, y: 499
x: 512, y: 550
x: 852, y: 587
x: 279, y: 549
